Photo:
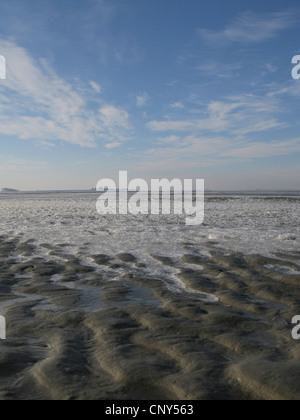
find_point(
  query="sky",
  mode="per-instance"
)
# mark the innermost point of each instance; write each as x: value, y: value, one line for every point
x: 162, y: 88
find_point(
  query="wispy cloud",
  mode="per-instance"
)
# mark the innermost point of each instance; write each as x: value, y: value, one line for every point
x: 16, y: 165
x: 271, y: 68
x: 239, y: 115
x: 169, y: 140
x: 200, y: 152
x: 114, y: 117
x: 142, y: 99
x: 113, y: 145
x: 227, y: 130
x: 45, y: 144
x: 97, y: 88
x: 265, y: 149
x: 177, y: 105
x: 291, y: 88
x: 251, y: 27
x: 39, y: 105
x: 220, y: 70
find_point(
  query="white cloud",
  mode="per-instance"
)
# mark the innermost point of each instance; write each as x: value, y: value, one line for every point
x: 141, y: 100
x: 257, y: 126
x: 291, y: 88
x: 225, y: 131
x: 21, y: 165
x: 38, y: 105
x: 203, y: 152
x: 190, y: 152
x: 112, y: 116
x: 169, y: 139
x: 265, y: 149
x: 172, y: 83
x: 172, y: 125
x: 97, y: 88
x: 220, y: 70
x: 113, y: 145
x: 271, y: 68
x: 46, y: 144
x: 237, y: 116
x: 251, y: 27
x: 178, y: 105
x: 195, y: 148
x: 115, y: 121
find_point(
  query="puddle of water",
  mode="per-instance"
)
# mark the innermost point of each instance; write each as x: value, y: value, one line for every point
x: 282, y: 269
x: 20, y: 298
x: 91, y: 298
x: 22, y: 276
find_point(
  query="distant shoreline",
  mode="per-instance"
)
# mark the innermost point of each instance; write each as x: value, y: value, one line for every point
x: 271, y: 193
x: 9, y: 190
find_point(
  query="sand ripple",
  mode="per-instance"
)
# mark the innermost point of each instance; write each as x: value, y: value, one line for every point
x: 72, y: 334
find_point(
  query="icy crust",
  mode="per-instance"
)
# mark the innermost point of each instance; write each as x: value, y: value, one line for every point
x: 248, y: 224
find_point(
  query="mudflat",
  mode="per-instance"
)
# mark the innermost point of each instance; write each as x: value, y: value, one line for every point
x: 74, y: 334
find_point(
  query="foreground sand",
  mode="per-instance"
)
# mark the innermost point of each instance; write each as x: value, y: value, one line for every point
x: 73, y: 335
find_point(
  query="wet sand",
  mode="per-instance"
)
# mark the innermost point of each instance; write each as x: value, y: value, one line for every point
x: 72, y: 334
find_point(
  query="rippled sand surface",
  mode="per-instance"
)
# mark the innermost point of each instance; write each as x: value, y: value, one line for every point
x: 224, y: 331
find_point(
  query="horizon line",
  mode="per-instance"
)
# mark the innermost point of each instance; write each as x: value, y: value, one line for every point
x: 91, y: 190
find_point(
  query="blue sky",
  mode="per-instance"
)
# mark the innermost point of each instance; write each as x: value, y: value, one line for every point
x: 161, y: 88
